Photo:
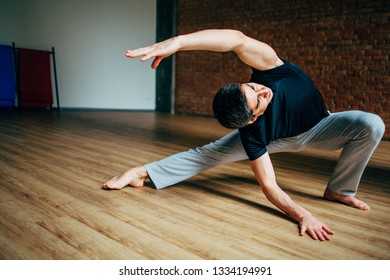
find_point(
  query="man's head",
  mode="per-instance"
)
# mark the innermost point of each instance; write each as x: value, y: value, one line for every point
x: 237, y: 105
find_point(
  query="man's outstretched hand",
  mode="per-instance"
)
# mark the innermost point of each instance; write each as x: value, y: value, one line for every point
x: 159, y: 51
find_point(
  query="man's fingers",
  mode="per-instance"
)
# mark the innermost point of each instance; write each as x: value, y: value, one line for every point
x: 146, y: 54
x: 327, y: 230
x: 312, y: 233
x: 326, y: 236
x: 133, y: 53
x: 156, y: 62
x: 319, y: 235
x: 302, y: 229
x: 139, y: 52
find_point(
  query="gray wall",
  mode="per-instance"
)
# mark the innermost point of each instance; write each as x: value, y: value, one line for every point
x: 90, y: 38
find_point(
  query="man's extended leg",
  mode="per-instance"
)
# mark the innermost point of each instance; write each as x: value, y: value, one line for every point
x: 181, y: 166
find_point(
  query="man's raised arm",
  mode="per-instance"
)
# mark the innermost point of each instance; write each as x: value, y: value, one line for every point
x: 252, y: 52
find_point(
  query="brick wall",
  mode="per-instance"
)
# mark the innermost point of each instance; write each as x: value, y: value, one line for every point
x: 343, y: 45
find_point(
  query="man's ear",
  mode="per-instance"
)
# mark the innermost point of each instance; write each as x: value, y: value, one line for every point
x: 252, y: 120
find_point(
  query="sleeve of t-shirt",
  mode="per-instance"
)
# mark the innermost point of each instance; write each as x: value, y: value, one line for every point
x: 253, y: 147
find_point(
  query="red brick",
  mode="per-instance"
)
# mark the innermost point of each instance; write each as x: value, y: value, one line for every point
x: 342, y: 45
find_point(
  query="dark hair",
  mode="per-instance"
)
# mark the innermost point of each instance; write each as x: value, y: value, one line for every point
x: 230, y: 107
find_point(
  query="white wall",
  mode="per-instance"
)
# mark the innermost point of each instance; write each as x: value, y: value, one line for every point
x: 90, y: 38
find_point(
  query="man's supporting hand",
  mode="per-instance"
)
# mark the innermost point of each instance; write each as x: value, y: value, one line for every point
x: 315, y: 228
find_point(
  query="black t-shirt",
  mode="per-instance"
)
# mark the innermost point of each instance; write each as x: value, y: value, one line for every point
x: 296, y: 106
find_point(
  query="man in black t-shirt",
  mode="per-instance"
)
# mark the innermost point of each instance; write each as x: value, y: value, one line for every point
x: 296, y: 106
x: 279, y: 110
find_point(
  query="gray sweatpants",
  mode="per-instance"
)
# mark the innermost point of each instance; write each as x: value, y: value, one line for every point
x: 356, y: 133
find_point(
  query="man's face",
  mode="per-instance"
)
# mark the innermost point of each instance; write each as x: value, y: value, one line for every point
x: 258, y: 97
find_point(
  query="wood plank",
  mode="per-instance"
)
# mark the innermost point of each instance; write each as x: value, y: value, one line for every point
x: 21, y: 236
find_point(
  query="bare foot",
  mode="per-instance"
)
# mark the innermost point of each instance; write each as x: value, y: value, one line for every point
x: 349, y: 200
x: 134, y: 177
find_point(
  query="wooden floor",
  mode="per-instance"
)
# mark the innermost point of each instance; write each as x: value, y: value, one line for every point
x: 52, y: 206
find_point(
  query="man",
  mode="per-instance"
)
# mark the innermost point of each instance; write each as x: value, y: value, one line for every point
x: 279, y: 110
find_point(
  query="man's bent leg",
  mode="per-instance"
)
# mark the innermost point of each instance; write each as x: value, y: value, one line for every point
x: 358, y: 134
x: 181, y: 166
